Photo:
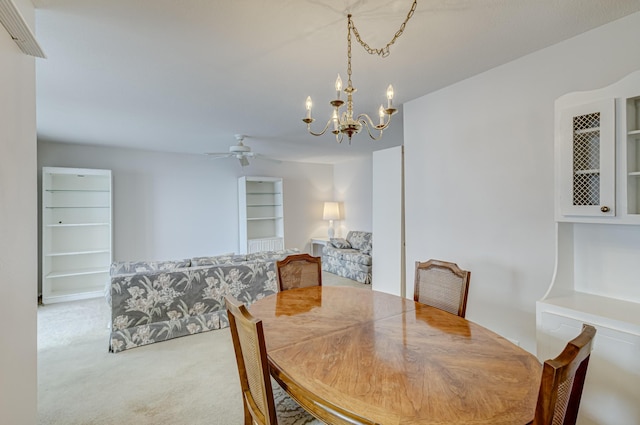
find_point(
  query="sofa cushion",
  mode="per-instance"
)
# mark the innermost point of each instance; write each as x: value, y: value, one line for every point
x: 217, y: 259
x: 366, y: 249
x: 126, y: 267
x: 347, y: 255
x: 339, y: 243
x: 271, y: 255
x: 358, y: 239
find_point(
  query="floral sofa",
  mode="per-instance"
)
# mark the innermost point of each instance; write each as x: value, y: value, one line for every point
x: 350, y: 257
x: 153, y: 301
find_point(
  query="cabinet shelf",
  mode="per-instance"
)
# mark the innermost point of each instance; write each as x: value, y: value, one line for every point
x: 587, y: 130
x: 264, y: 205
x: 77, y: 190
x: 77, y: 224
x: 634, y: 133
x: 73, y: 294
x: 77, y: 272
x: 68, y: 207
x: 264, y: 193
x: 263, y: 218
x: 625, y: 313
x: 69, y: 253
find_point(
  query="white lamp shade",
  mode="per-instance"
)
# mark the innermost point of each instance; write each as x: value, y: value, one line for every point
x: 331, y: 211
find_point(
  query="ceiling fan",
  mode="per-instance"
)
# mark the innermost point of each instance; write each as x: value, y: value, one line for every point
x: 241, y: 152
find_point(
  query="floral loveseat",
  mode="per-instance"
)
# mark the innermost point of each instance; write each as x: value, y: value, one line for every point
x: 158, y: 300
x: 350, y: 257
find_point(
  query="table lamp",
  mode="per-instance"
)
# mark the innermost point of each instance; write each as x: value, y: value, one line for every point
x: 331, y: 212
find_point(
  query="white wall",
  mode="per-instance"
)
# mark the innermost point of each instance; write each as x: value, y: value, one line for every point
x: 479, y: 172
x: 18, y: 237
x: 353, y: 189
x: 169, y: 206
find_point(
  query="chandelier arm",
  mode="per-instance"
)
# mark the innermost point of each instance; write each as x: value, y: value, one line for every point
x: 366, y: 122
x: 384, y: 51
x: 324, y: 130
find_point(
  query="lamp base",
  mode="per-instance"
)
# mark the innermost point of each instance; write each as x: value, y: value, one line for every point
x: 331, y: 232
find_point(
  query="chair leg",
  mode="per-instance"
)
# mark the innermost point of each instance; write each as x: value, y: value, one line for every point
x: 248, y: 419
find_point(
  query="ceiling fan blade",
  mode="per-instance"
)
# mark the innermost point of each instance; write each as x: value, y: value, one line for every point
x: 243, y: 161
x: 219, y: 154
x: 266, y: 158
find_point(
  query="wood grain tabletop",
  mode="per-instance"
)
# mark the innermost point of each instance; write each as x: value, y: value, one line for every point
x: 357, y: 356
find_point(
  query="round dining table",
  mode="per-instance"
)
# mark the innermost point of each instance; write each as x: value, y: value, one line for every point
x: 358, y: 356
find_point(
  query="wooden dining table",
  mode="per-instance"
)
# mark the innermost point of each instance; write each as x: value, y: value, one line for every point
x: 357, y: 356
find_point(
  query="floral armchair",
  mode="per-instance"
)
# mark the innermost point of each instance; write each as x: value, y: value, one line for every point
x: 350, y: 257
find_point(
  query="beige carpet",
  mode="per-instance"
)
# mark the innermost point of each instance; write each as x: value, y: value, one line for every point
x: 190, y: 380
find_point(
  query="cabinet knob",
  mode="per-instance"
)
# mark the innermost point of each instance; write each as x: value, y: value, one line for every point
x: 604, y: 209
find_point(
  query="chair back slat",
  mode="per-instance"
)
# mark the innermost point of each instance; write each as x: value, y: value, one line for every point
x: 443, y: 285
x: 299, y: 271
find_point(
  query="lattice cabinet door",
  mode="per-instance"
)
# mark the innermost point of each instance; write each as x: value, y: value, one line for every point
x: 587, y: 159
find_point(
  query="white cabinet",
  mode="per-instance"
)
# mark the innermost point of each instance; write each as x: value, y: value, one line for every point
x: 76, y: 233
x: 587, y: 159
x: 598, y: 247
x: 261, y: 217
x: 597, y: 154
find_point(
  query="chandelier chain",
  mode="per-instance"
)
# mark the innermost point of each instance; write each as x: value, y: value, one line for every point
x: 384, y: 51
x: 349, y: 26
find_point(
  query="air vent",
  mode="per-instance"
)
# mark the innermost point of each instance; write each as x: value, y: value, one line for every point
x: 18, y: 29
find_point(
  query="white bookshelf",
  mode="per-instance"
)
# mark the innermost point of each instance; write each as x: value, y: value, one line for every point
x: 76, y: 233
x: 261, y: 214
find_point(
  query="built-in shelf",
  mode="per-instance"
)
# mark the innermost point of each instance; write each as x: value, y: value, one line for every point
x: 595, y: 280
x: 77, y: 190
x: 264, y: 193
x: 623, y: 312
x: 78, y: 206
x: 59, y: 254
x: 260, y: 214
x: 79, y: 272
x: 77, y: 224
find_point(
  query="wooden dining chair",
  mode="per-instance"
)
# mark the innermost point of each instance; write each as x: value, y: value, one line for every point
x: 442, y: 285
x: 299, y: 271
x: 258, y: 392
x: 563, y: 380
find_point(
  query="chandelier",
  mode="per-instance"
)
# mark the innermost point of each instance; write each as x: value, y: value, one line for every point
x: 345, y: 123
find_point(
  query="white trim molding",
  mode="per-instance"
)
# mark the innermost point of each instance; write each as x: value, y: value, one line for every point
x: 18, y: 29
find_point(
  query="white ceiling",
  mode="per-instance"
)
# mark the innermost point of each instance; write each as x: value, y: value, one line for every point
x: 185, y: 76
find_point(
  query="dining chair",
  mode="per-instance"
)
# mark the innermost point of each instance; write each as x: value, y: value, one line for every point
x: 563, y: 380
x: 259, y: 391
x: 299, y: 271
x: 442, y: 285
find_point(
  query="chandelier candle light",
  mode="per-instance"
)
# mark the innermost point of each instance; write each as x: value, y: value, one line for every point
x: 346, y: 123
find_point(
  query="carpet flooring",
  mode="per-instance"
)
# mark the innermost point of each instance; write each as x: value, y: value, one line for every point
x: 191, y: 380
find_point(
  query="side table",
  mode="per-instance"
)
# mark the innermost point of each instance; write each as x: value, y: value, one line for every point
x: 316, y: 246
